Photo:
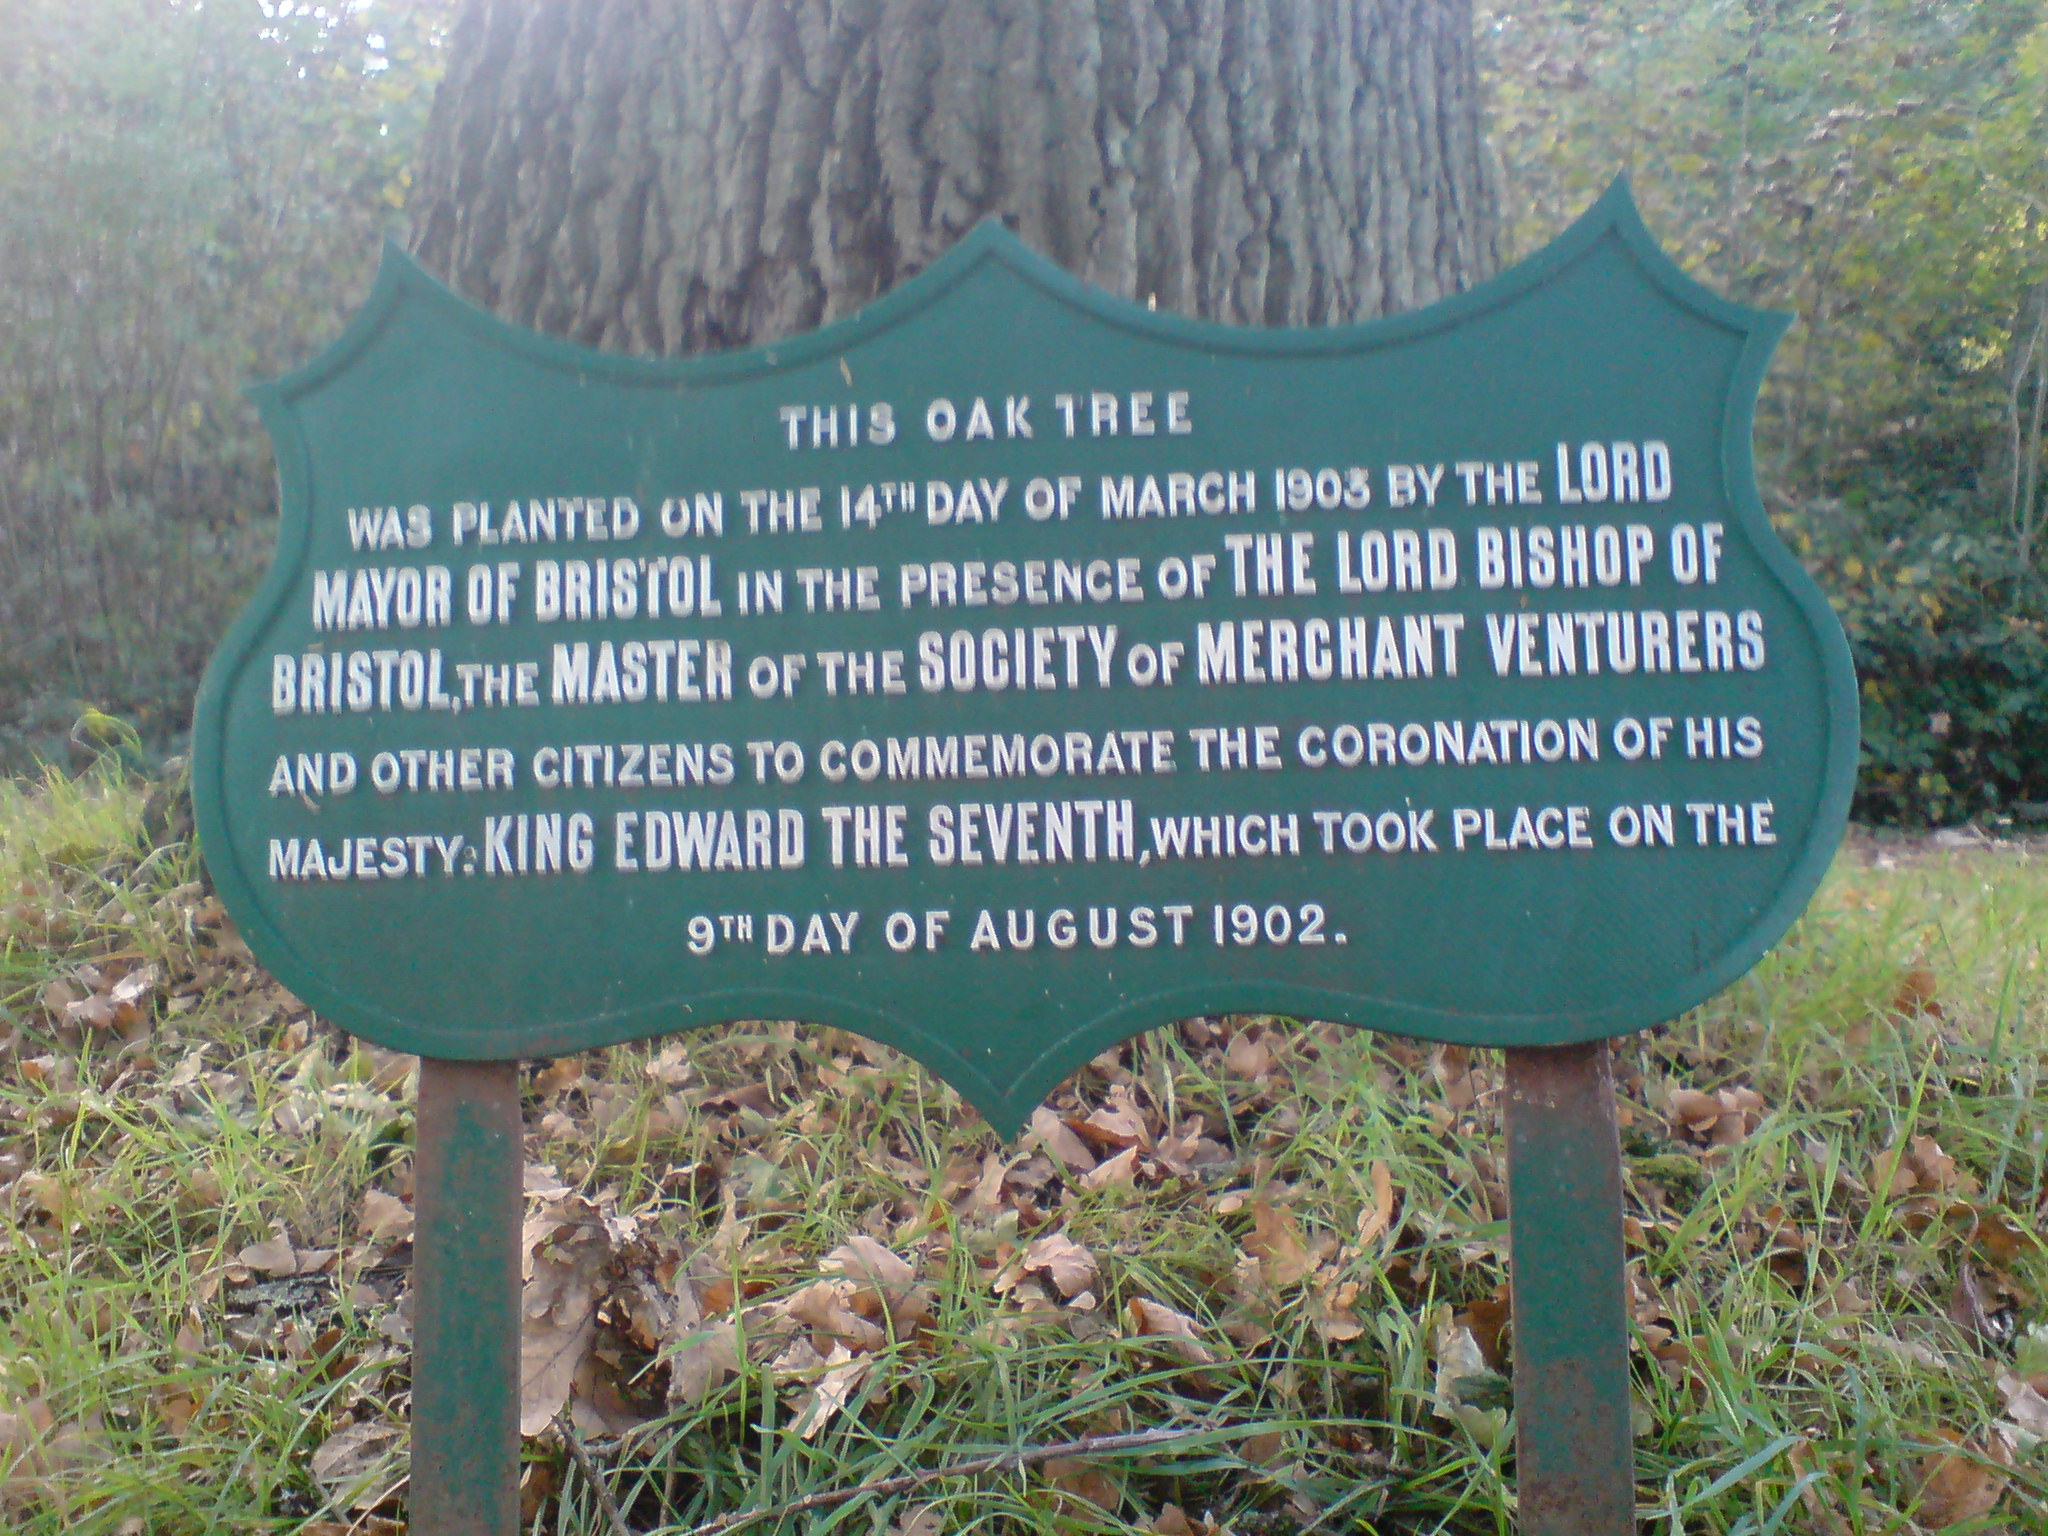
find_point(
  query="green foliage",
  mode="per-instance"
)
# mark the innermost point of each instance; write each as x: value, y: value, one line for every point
x: 1878, y: 170
x: 1951, y: 646
x: 191, y: 197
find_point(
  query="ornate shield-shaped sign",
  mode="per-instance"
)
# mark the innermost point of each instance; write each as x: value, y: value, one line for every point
x: 1010, y: 669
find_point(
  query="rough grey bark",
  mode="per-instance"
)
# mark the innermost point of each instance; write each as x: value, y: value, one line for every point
x: 667, y: 176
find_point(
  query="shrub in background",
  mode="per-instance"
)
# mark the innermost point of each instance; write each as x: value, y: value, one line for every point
x: 1877, y: 170
x: 191, y: 197
x: 1950, y: 635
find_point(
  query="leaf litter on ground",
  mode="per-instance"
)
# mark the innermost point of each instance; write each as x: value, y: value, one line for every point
x: 763, y: 1262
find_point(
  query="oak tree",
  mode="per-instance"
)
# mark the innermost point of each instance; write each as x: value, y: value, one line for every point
x: 673, y: 177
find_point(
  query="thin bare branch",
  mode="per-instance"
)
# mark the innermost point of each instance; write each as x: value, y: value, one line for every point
x: 592, y: 1474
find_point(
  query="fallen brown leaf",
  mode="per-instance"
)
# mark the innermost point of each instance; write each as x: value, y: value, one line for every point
x: 277, y: 1258
x: 1116, y: 1124
x: 1263, y: 1450
x: 561, y: 1073
x: 1060, y: 1141
x: 1451, y: 1065
x: 134, y: 988
x: 1915, y: 993
x: 1377, y: 1219
x: 1248, y: 1055
x: 36, y: 1450
x: 1487, y: 1318
x: 885, y: 1283
x: 2001, y: 1237
x: 599, y: 1405
x: 703, y: 1355
x: 1069, y: 1267
x: 360, y: 1465
x: 1334, y: 1318
x: 844, y: 1372
x: 567, y: 1250
x: 1966, y: 1308
x: 1120, y: 1169
x: 1083, y: 1480
x: 1719, y: 1119
x: 1275, y: 1241
x: 1176, y: 1331
x: 1959, y: 1486
x: 822, y: 1307
x: 1920, y: 1167
x: 385, y: 1218
x: 2025, y: 1406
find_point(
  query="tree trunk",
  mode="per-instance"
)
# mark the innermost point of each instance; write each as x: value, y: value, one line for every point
x: 667, y: 176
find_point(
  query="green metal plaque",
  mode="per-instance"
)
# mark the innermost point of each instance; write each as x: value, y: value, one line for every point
x: 1010, y: 669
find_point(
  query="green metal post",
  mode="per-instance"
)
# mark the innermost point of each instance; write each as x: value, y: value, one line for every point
x: 465, y: 1369
x: 1575, y: 1456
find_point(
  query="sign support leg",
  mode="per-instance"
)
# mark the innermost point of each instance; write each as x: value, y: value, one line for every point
x: 465, y: 1371
x: 1575, y: 1455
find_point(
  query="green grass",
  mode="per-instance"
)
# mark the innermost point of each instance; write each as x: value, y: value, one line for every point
x: 1826, y: 1304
